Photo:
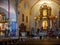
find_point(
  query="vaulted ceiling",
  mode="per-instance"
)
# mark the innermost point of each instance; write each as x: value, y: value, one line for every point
x: 57, y: 1
x: 33, y: 2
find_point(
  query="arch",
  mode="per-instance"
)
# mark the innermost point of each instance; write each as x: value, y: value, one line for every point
x: 2, y: 10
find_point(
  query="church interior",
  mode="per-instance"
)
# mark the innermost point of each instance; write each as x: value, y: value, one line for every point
x: 30, y: 18
x: 39, y: 14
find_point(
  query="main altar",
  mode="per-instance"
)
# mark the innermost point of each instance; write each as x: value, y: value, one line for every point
x: 46, y: 19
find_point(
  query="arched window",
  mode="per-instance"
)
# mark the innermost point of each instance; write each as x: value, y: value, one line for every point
x: 23, y: 17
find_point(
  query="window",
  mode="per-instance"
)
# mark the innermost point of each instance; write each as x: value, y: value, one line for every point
x: 26, y: 19
x: 23, y: 17
x: 24, y: 6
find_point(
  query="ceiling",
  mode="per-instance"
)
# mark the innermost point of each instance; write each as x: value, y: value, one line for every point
x: 33, y: 2
x: 57, y: 1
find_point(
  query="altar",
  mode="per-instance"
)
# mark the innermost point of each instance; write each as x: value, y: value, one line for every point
x: 45, y: 20
x: 3, y: 24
